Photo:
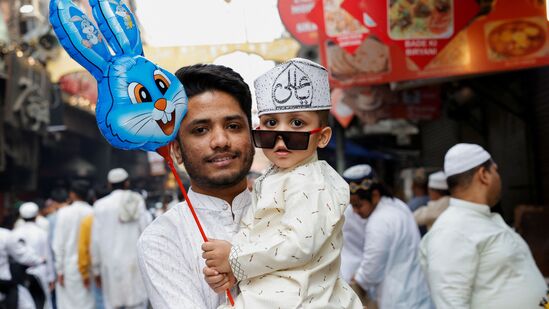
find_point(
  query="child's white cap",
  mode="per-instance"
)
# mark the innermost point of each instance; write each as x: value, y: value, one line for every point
x: 295, y: 85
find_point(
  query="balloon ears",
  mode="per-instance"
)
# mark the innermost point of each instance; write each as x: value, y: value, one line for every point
x: 80, y: 37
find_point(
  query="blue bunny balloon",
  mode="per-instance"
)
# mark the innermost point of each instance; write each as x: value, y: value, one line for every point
x: 139, y: 105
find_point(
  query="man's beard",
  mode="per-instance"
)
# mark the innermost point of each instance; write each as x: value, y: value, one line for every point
x: 203, y: 180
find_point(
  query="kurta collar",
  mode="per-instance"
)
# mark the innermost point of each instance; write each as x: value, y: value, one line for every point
x: 480, y: 208
x: 212, y: 203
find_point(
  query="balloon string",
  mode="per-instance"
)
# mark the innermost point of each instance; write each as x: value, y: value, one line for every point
x: 164, y: 152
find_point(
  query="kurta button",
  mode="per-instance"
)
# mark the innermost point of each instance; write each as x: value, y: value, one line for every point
x: 225, y: 207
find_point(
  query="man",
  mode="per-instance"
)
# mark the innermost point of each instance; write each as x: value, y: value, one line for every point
x: 36, y: 238
x: 70, y: 290
x: 13, y: 295
x: 472, y: 258
x: 353, y: 234
x: 118, y: 220
x: 439, y: 200
x: 419, y: 191
x: 389, y: 269
x: 214, y: 144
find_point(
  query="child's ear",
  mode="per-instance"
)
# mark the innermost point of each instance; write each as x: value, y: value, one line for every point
x: 325, y: 134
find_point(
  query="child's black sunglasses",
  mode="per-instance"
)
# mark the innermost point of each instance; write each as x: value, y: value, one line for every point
x: 294, y: 140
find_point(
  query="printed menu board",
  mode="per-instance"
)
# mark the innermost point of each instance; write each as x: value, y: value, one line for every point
x: 399, y: 40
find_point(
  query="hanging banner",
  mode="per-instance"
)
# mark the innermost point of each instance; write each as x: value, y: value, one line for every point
x: 513, y: 35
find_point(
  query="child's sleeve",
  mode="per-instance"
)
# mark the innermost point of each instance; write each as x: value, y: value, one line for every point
x: 311, y: 213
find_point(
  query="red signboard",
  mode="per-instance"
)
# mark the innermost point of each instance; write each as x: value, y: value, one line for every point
x: 513, y: 35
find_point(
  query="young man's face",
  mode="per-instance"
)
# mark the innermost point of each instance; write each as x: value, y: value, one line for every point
x: 215, y: 142
x: 280, y: 155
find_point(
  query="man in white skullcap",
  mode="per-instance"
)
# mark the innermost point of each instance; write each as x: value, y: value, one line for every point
x: 473, y: 259
x: 389, y: 269
x: 118, y: 220
x: 438, y: 201
x: 33, y: 236
x: 287, y: 252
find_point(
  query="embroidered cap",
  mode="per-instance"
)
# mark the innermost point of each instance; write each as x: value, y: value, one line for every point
x: 463, y: 157
x: 295, y: 85
x: 359, y: 177
x: 437, y: 181
x: 28, y: 210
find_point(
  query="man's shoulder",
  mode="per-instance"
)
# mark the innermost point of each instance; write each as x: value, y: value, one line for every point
x: 165, y: 227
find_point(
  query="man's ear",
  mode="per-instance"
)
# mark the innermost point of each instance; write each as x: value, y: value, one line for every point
x: 483, y: 175
x: 324, y: 137
x: 176, y: 151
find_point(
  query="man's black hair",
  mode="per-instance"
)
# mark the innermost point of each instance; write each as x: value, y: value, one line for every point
x: 80, y: 188
x: 367, y: 194
x: 59, y: 195
x: 465, y: 179
x: 200, y: 78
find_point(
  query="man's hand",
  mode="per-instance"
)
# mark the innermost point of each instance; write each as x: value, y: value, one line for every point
x: 98, y: 281
x: 86, y: 282
x: 61, y: 279
x: 218, y: 282
x: 216, y: 253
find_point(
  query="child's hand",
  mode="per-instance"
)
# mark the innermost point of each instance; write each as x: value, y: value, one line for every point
x: 216, y: 253
x: 218, y: 282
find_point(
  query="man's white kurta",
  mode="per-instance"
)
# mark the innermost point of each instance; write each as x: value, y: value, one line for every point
x: 36, y: 238
x: 390, y: 269
x: 114, y: 247
x: 11, y: 247
x: 65, y: 248
x: 287, y: 253
x: 474, y: 260
x: 353, y: 243
x: 170, y: 254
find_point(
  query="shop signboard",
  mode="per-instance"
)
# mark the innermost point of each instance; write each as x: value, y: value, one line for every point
x: 293, y: 14
x: 441, y: 38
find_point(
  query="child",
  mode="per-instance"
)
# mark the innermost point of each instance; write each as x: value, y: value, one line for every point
x: 287, y: 253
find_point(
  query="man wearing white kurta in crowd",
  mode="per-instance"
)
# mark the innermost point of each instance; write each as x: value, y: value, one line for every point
x: 70, y: 290
x: 214, y: 144
x: 37, y: 239
x: 10, y: 246
x: 389, y: 270
x: 353, y: 243
x: 118, y: 220
x: 472, y: 258
x: 439, y: 200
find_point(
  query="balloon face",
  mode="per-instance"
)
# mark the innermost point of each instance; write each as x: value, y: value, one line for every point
x: 140, y: 105
x: 148, y: 104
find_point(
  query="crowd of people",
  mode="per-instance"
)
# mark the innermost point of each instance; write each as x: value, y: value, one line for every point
x: 298, y: 236
x: 79, y: 255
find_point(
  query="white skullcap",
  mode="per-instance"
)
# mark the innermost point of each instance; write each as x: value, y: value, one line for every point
x: 358, y: 172
x: 437, y: 181
x: 28, y: 210
x: 295, y: 85
x: 117, y: 175
x: 463, y: 157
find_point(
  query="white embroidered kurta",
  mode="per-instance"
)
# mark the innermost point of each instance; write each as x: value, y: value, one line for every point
x: 36, y: 238
x: 427, y: 215
x: 354, y: 230
x: 10, y: 246
x: 114, y: 247
x: 474, y: 260
x: 287, y: 253
x: 390, y: 269
x: 65, y: 242
x: 170, y: 254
